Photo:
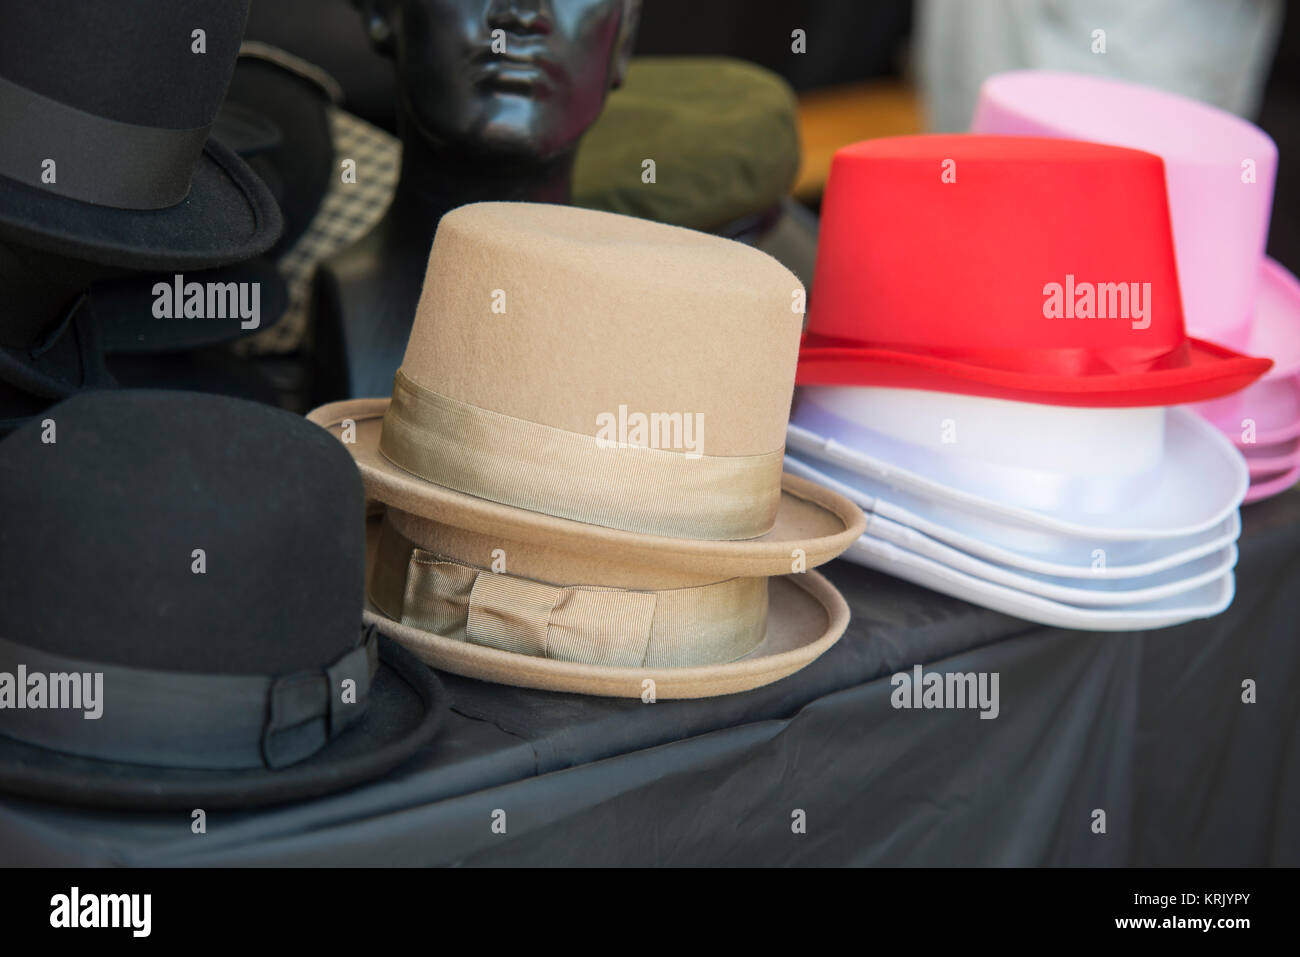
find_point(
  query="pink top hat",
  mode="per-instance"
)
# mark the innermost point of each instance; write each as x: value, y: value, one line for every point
x: 1268, y: 411
x: 1219, y: 170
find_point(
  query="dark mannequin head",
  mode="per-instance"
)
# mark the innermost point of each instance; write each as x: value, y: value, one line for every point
x: 493, y: 97
x: 530, y: 101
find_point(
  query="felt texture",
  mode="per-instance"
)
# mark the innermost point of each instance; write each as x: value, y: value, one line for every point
x: 95, y: 556
x: 285, y: 130
x: 723, y: 134
x: 604, y: 311
x: 127, y: 60
x: 619, y: 310
x: 96, y: 563
x: 147, y: 75
x: 806, y: 616
x: 229, y: 216
x: 554, y: 560
x: 212, y: 370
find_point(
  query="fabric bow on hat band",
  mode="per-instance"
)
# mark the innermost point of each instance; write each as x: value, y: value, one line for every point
x: 570, y: 475
x: 626, y: 628
x: 97, y: 160
x: 184, y: 719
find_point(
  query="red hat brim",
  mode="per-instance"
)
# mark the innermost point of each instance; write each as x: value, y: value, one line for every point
x: 1211, y: 371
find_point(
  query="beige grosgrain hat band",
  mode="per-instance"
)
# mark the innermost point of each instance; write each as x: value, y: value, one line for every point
x: 570, y: 475
x: 670, y: 628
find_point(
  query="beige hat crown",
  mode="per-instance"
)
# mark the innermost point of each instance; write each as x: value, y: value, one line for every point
x: 544, y: 331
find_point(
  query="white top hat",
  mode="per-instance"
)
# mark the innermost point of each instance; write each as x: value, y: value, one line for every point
x: 1100, y: 593
x: 1112, y: 474
x: 1008, y: 543
x: 1201, y: 602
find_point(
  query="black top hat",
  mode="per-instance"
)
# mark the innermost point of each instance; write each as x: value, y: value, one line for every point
x: 105, y: 110
x: 205, y: 556
x: 276, y: 119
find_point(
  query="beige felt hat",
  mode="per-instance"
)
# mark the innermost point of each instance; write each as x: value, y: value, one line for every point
x: 581, y: 462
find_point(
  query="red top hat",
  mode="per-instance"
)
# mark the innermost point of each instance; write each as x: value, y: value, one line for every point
x: 1014, y: 267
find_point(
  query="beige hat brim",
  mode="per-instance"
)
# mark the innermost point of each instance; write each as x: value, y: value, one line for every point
x: 806, y: 615
x: 815, y: 520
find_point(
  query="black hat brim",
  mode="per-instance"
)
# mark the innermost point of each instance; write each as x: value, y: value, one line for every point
x: 403, y: 714
x: 228, y: 216
x: 124, y: 311
x: 297, y: 167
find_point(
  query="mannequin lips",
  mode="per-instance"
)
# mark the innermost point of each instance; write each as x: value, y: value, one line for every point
x: 515, y: 72
x: 514, y: 79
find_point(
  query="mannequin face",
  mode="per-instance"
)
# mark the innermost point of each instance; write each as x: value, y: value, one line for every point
x: 521, y: 79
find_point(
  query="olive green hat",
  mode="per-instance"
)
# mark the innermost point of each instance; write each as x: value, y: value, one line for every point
x: 723, y: 135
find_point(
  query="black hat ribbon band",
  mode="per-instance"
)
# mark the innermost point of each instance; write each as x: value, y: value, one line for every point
x: 96, y: 159
x: 180, y: 719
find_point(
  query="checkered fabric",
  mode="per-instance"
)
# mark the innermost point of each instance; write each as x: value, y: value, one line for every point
x: 347, y: 212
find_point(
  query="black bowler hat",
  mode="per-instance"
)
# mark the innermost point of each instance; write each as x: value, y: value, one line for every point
x: 105, y: 111
x: 205, y: 555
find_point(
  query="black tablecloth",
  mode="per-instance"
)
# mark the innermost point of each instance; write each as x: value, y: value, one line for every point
x: 1148, y: 727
